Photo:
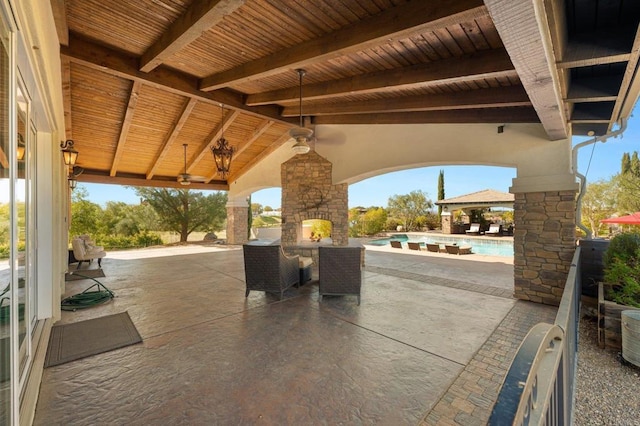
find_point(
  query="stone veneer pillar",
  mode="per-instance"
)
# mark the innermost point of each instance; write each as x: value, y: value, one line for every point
x: 544, y: 243
x: 445, y: 221
x: 237, y: 223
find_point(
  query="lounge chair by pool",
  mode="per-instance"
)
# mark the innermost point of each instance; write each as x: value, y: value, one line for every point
x: 395, y: 244
x: 433, y: 247
x: 414, y: 246
x: 454, y: 249
x: 494, y: 229
x: 474, y: 229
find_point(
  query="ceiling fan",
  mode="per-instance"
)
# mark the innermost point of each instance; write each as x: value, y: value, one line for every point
x: 185, y: 178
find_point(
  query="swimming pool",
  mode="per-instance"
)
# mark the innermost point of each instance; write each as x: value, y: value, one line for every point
x: 489, y: 247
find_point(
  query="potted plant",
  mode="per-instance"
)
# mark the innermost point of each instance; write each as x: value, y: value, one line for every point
x: 620, y: 289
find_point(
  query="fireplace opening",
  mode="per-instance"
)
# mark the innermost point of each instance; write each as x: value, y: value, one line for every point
x: 315, y: 231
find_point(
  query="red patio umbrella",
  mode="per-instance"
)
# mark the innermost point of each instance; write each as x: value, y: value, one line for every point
x: 630, y: 219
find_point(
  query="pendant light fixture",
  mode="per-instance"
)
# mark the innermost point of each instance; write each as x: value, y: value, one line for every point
x: 301, y: 134
x: 222, y: 152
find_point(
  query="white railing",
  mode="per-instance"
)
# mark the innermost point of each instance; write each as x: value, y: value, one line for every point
x: 539, y: 388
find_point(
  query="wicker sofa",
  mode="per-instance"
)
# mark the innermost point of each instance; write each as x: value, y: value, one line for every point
x: 340, y: 270
x: 268, y: 269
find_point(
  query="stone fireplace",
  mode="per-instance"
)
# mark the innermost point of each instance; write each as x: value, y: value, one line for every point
x: 309, y: 193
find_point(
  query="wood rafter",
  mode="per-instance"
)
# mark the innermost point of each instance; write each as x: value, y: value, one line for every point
x: 263, y: 127
x: 173, y: 134
x: 4, y: 161
x: 513, y: 96
x: 213, y: 137
x: 393, y: 24
x: 200, y: 16
x: 115, y: 63
x: 595, y: 48
x: 483, y: 65
x: 235, y: 174
x: 126, y: 124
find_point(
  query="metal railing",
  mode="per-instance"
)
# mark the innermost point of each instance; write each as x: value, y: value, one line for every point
x: 539, y: 388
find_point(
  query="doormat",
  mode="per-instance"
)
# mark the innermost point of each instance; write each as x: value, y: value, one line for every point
x: 83, y: 274
x: 70, y: 342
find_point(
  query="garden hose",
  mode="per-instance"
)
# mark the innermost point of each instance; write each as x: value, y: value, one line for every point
x: 87, y: 298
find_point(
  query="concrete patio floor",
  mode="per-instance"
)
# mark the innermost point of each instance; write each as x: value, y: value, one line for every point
x: 429, y: 344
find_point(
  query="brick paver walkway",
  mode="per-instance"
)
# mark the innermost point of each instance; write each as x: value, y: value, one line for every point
x: 470, y: 398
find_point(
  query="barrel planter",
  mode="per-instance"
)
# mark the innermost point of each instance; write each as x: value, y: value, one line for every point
x: 610, y: 321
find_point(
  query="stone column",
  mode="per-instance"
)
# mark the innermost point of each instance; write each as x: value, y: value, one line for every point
x: 446, y: 223
x: 237, y: 221
x: 544, y: 243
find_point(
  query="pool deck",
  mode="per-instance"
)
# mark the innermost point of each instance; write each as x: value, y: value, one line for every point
x: 429, y: 344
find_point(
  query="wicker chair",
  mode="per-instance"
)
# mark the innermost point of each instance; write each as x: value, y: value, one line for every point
x: 340, y: 271
x: 268, y: 269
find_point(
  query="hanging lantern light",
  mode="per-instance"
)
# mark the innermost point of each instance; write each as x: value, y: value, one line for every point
x: 222, y: 152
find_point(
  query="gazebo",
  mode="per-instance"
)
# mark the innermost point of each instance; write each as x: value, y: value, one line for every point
x: 468, y: 202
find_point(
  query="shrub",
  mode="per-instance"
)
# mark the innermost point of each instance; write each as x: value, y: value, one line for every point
x: 622, y: 269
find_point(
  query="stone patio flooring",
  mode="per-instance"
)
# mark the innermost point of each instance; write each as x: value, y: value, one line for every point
x: 429, y: 344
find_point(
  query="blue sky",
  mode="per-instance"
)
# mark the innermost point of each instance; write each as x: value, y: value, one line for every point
x: 459, y: 180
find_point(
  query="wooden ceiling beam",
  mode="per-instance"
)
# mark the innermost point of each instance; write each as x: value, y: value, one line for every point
x: 171, y: 137
x: 594, y: 89
x: 523, y: 27
x: 132, y: 179
x: 391, y: 25
x: 197, y: 19
x: 126, y: 124
x: 512, y: 96
x: 59, y: 10
x: 479, y: 66
x: 213, y: 138
x: 65, y: 68
x: 112, y: 62
x: 488, y: 115
x: 596, y: 48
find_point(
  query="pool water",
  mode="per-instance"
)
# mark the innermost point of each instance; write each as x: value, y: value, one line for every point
x: 479, y: 246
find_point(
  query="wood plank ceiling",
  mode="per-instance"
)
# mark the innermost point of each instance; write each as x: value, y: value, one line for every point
x: 142, y: 78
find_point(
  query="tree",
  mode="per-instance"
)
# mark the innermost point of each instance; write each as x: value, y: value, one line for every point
x: 407, y: 208
x: 628, y: 183
x: 85, y: 215
x: 184, y: 211
x: 256, y: 209
x: 598, y: 203
x: 440, y: 191
x: 368, y: 221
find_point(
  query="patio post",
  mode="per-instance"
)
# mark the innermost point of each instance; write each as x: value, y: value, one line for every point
x: 237, y: 220
x: 544, y: 242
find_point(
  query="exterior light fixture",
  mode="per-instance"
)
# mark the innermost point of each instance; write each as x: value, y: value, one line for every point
x: 222, y: 152
x: 73, y: 183
x: 301, y: 134
x: 69, y: 154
